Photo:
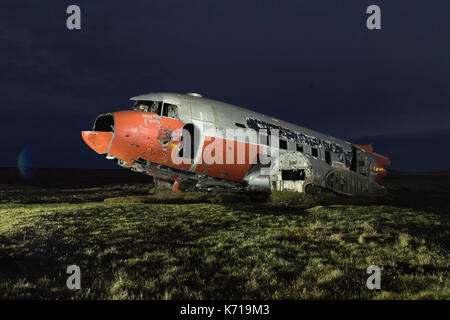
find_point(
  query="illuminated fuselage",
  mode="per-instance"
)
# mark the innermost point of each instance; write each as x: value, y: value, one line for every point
x: 152, y: 139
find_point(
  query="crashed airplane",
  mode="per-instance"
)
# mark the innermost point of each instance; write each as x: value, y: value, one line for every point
x: 186, y: 141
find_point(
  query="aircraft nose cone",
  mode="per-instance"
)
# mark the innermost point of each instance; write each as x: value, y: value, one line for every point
x: 99, y: 141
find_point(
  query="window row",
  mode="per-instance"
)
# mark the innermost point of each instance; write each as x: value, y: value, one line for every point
x: 283, y: 145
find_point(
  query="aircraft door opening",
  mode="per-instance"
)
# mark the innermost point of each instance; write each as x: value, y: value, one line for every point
x: 190, y: 142
x: 363, y: 163
x: 204, y: 121
x: 353, y: 165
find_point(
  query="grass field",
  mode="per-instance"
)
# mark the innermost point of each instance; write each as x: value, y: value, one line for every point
x: 131, y: 245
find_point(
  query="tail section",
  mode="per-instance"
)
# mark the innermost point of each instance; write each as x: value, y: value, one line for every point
x: 381, y: 162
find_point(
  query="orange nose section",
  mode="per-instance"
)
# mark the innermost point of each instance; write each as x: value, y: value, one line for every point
x: 99, y: 141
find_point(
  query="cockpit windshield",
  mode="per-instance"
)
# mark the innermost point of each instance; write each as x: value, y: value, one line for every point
x: 148, y: 106
x: 158, y: 107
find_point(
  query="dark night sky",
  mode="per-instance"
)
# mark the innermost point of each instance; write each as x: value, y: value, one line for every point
x: 313, y: 63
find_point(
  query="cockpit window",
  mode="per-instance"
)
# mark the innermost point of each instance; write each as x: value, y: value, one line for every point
x: 170, y: 110
x: 155, y: 107
x: 141, y: 106
x: 148, y: 106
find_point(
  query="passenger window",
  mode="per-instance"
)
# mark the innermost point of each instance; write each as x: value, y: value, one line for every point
x: 300, y: 148
x: 328, y: 157
x: 291, y: 146
x: 264, y: 137
x: 315, y: 152
x: 170, y: 111
x: 283, y: 144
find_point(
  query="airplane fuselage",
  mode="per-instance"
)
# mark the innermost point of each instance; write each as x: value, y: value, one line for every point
x: 226, y: 142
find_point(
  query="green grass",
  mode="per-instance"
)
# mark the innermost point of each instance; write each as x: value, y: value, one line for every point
x: 213, y: 246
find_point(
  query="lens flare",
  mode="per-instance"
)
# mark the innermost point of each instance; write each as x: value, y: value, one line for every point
x: 24, y: 163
